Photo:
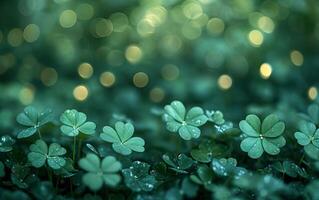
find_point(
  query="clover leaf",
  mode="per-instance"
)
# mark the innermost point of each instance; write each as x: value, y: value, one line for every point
x: 313, y: 114
x: 177, y: 120
x: 216, y: 117
x: 122, y: 139
x: 74, y: 122
x: 203, y: 175
x: 290, y: 168
x: 226, y: 167
x: 22, y: 177
x: 178, y: 163
x: 260, y: 137
x: 40, y: 154
x: 307, y: 134
x: 100, y: 172
x: 33, y: 120
x: 6, y: 143
x: 137, y: 177
x: 207, y: 150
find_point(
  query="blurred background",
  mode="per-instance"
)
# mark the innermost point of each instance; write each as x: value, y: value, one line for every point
x: 124, y: 60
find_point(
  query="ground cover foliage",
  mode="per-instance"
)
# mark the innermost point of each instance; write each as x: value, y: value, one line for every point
x: 159, y: 99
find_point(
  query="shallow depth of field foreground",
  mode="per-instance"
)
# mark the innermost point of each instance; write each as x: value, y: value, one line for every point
x: 159, y: 99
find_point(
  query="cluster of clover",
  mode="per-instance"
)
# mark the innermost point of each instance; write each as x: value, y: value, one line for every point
x: 257, y: 137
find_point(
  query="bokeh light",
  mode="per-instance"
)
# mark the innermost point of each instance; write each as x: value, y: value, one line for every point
x: 140, y: 79
x: 80, y: 92
x: 85, y: 70
x: 225, y: 82
x: 107, y: 79
x: 265, y: 70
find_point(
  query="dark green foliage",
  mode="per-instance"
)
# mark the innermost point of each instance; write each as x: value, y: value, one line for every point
x: 159, y: 100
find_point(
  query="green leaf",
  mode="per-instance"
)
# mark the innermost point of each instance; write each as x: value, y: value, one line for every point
x: 227, y: 167
x: 74, y: 122
x: 122, y: 139
x: 312, y: 151
x: 204, y: 175
x: 216, y: 117
x: 100, y: 172
x: 185, y: 124
x: 40, y: 153
x: 252, y: 146
x: 250, y: 126
x: 307, y: 134
x: 178, y: 163
x: 176, y: 110
x: 260, y: 137
x: 196, y: 117
x: 32, y: 119
x: 188, y: 132
x: 208, y: 150
x: 313, y: 111
x: 137, y: 177
x: 6, y: 143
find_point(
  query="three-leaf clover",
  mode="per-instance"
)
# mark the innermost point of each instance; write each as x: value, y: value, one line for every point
x: 74, y: 122
x: 179, y: 163
x: 226, y: 167
x: 100, y: 172
x: 308, y: 136
x: 122, y: 139
x: 216, y: 117
x: 186, y: 124
x: 40, y: 154
x: 260, y: 137
x: 207, y: 150
x: 32, y: 119
x: 137, y: 177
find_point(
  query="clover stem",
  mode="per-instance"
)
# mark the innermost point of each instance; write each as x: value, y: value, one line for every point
x: 49, y: 173
x: 79, y: 148
x: 301, y: 159
x: 73, y: 155
x: 40, y: 136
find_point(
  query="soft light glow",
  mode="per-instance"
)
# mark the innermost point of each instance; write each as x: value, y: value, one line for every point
x: 49, y: 76
x: 170, y: 72
x: 68, y: 18
x: 85, y: 11
x: 256, y: 38
x: 192, y: 10
x: 266, y: 24
x: 225, y: 82
x: 265, y: 70
x: 120, y: 22
x: 31, y: 33
x: 26, y: 95
x: 140, y: 79
x: 296, y: 58
x: 133, y: 54
x: 107, y: 79
x: 312, y: 93
x: 15, y: 37
x: 157, y: 94
x: 85, y: 70
x: 215, y: 26
x: 80, y: 92
x: 103, y: 27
